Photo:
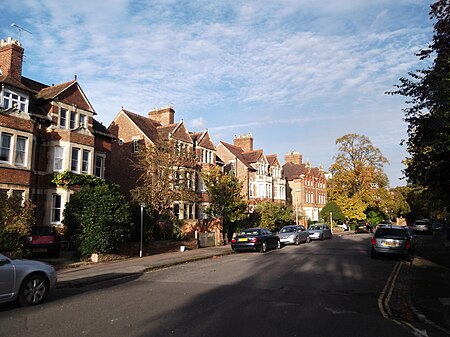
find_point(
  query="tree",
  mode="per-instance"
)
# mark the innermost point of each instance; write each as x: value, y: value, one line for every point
x: 400, y: 206
x: 428, y: 111
x: 224, y: 191
x: 335, y: 210
x: 167, y: 177
x: 358, y: 179
x: 101, y: 217
x: 273, y: 216
x: 16, y: 218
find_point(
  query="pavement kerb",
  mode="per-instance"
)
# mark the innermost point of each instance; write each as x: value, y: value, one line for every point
x: 93, y: 277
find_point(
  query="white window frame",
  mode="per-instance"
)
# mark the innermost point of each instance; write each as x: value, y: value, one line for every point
x: 63, y: 120
x: 85, y: 161
x: 101, y: 168
x: 56, y: 210
x: 8, y: 100
x: 72, y: 120
x: 6, y: 149
x: 82, y: 120
x: 75, y: 160
x: 18, y: 151
x: 58, y: 158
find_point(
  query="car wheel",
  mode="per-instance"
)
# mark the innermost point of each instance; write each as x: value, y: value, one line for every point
x: 297, y: 240
x: 308, y: 239
x: 34, y: 290
x: 278, y: 244
x: 263, y: 248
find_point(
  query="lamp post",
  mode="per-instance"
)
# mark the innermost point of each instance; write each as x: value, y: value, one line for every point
x: 142, y: 226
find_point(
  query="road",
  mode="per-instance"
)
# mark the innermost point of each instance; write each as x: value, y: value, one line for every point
x: 329, y: 288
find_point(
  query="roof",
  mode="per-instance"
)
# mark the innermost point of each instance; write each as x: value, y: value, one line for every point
x: 146, y: 125
x: 53, y: 91
x: 293, y: 171
x: 100, y: 129
x: 238, y: 153
x: 252, y: 156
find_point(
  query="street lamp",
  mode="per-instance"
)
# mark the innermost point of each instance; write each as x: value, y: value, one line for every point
x: 142, y: 226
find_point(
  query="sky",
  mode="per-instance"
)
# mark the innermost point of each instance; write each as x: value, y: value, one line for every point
x: 296, y: 74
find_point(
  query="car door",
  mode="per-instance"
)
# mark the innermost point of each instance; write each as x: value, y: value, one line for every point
x: 326, y: 232
x: 270, y: 238
x: 7, y: 278
x: 303, y: 234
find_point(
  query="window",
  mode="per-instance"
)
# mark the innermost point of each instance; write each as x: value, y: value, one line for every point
x: 176, y: 210
x: 18, y: 197
x: 58, y: 158
x: 11, y: 100
x: 62, y: 118
x: 82, y: 121
x: 135, y: 146
x: 73, y: 119
x: 75, y: 160
x: 99, y: 166
x: 5, y: 147
x: 3, y: 194
x: 56, y: 208
x: 21, y: 143
x: 85, y: 162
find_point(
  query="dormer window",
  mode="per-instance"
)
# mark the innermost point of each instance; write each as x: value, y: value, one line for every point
x: 12, y: 99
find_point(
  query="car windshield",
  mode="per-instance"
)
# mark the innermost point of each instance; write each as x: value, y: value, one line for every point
x: 287, y: 230
x: 251, y: 232
x: 312, y: 228
x: 390, y: 233
x: 42, y: 230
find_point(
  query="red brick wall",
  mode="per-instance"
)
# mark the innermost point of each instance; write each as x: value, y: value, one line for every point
x: 11, y: 56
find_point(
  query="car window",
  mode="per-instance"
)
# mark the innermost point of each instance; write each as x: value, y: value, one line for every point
x: 390, y: 233
x: 251, y: 232
x: 287, y: 229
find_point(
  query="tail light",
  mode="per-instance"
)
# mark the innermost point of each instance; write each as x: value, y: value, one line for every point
x: 374, y: 241
x: 233, y: 240
x: 408, y: 244
x: 253, y: 240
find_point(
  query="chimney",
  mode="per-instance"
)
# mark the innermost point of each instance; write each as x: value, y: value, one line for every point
x: 245, y: 142
x: 11, y: 56
x: 165, y: 116
x: 293, y: 157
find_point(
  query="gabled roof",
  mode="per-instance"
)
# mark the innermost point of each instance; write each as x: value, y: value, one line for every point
x: 253, y: 156
x: 203, y: 139
x: 273, y: 160
x: 146, y: 125
x: 49, y: 93
x: 293, y: 171
x: 238, y: 153
x: 176, y: 131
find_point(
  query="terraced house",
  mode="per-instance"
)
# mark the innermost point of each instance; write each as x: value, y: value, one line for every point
x: 45, y: 129
x: 133, y: 130
x: 307, y: 186
x: 262, y: 175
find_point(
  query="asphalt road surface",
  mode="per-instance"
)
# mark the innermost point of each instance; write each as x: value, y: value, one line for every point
x: 328, y: 288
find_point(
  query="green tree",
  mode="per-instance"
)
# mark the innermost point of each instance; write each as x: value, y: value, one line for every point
x: 400, y: 206
x: 273, y: 216
x: 101, y: 217
x: 226, y: 201
x: 167, y: 177
x: 428, y: 110
x: 16, y: 218
x: 336, y: 213
x: 358, y: 180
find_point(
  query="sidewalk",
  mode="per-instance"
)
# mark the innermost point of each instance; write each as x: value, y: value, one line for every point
x: 85, y: 274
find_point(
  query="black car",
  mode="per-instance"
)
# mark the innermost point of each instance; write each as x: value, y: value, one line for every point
x: 363, y: 228
x: 259, y: 239
x: 391, y: 239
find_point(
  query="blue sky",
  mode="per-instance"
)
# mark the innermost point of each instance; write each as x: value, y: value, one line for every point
x: 297, y: 74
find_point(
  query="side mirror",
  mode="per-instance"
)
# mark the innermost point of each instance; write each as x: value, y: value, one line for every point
x: 4, y: 261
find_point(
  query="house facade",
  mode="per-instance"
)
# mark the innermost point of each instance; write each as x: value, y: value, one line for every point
x: 261, y: 175
x: 307, y: 186
x: 131, y: 130
x: 45, y: 129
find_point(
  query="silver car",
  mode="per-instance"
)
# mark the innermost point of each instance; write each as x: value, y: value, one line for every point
x: 422, y: 226
x: 320, y: 232
x: 26, y: 281
x: 293, y: 235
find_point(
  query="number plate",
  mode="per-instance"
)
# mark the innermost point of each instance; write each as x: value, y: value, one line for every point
x: 242, y: 239
x: 390, y: 244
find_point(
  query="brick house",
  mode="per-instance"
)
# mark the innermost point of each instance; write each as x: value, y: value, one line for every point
x: 307, y: 186
x: 262, y: 175
x: 45, y: 129
x: 131, y: 129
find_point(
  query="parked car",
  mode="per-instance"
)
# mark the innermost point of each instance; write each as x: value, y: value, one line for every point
x: 293, y: 235
x: 26, y: 281
x: 363, y: 228
x: 422, y: 226
x: 320, y: 232
x: 259, y: 239
x: 392, y: 239
x: 44, y: 239
x: 438, y: 226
